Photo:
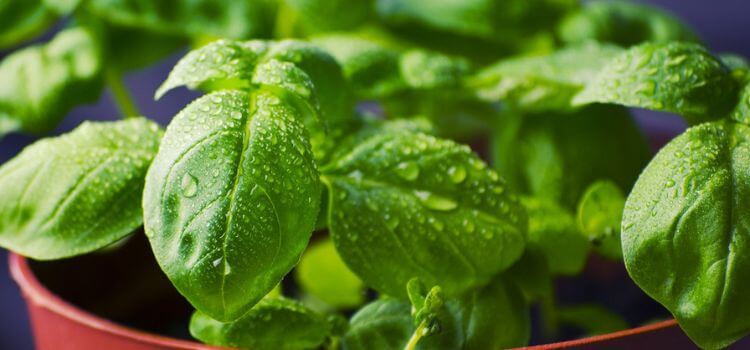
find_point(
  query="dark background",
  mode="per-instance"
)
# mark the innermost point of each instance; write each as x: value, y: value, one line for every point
x: 722, y: 24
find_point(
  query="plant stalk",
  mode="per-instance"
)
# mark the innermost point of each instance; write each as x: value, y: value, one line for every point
x: 120, y: 94
x: 416, y: 336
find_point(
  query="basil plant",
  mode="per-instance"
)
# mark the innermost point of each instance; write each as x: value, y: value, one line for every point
x: 348, y: 121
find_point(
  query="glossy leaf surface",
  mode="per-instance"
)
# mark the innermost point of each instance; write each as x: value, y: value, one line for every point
x: 322, y: 274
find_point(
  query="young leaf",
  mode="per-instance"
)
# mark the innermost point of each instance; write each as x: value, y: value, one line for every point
x: 676, y: 77
x: 275, y: 323
x: 231, y: 199
x: 323, y: 275
x: 539, y: 83
x: 308, y: 77
x: 600, y: 217
x: 43, y: 82
x: 563, y: 153
x: 21, y: 20
x: 76, y: 193
x: 623, y: 23
x: 591, y: 318
x: 195, y: 19
x: 405, y: 205
x: 685, y: 236
x: 553, y: 229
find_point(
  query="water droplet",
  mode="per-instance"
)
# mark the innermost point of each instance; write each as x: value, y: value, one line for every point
x: 457, y: 174
x: 189, y: 185
x: 216, y: 262
x: 227, y: 269
x: 435, y: 202
x: 391, y: 221
x: 407, y: 170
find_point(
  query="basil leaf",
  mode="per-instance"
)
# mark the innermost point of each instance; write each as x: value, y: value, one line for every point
x: 218, y: 19
x: 372, y: 69
x: 531, y: 274
x: 684, y: 237
x: 21, y: 20
x: 426, y: 70
x: 405, y: 205
x: 62, y: 7
x: 323, y: 275
x: 553, y: 229
x: 382, y: 324
x: 600, y: 217
x: 681, y: 78
x: 591, y: 318
x: 563, y: 153
x: 623, y: 23
x: 495, y: 317
x: 43, y: 82
x: 330, y: 15
x: 231, y: 199
x: 741, y: 112
x: 547, y: 82
x: 76, y: 193
x: 275, y: 323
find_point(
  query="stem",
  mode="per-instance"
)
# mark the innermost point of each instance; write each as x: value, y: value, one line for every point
x: 416, y: 336
x: 548, y: 310
x: 121, y: 95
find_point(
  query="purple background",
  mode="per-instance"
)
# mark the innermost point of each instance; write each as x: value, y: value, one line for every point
x: 723, y: 25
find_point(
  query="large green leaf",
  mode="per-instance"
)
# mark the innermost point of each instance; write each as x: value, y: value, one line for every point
x: 555, y: 156
x: 543, y: 82
x: 382, y: 324
x: 76, y: 193
x: 676, y: 77
x: 323, y: 275
x: 43, y: 82
x: 405, y: 204
x: 685, y: 236
x: 231, y: 199
x: 275, y: 323
x: 624, y: 23
x: 192, y: 18
x: 329, y: 15
x: 553, y: 230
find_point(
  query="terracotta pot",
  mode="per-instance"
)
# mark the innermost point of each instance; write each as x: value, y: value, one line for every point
x: 59, y: 325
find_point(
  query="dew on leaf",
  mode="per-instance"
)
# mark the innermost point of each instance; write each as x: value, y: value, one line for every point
x: 189, y: 185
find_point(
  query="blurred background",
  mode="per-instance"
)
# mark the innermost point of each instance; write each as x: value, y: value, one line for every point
x: 722, y: 24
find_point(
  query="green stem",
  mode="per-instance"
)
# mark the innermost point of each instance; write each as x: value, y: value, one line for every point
x: 550, y: 322
x: 416, y: 336
x: 121, y: 95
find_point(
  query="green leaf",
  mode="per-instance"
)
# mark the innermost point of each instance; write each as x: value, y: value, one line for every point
x: 372, y: 69
x: 330, y: 15
x: 76, y: 193
x: 21, y: 20
x: 624, y: 23
x: 553, y: 229
x: 681, y: 78
x: 194, y: 19
x: 62, y: 7
x: 275, y: 323
x: 556, y: 156
x: 547, y: 82
x: 322, y: 274
x: 600, y: 217
x: 486, y: 19
x: 685, y: 235
x: 591, y: 318
x: 231, y: 199
x: 427, y: 70
x: 531, y: 274
x: 43, y: 82
x: 382, y: 324
x: 405, y: 205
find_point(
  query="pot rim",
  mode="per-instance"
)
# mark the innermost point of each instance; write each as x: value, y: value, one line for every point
x: 35, y: 292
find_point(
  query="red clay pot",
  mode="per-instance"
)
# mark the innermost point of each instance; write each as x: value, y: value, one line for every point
x: 59, y: 325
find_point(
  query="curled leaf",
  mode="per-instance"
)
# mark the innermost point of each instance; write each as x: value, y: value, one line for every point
x: 600, y: 217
